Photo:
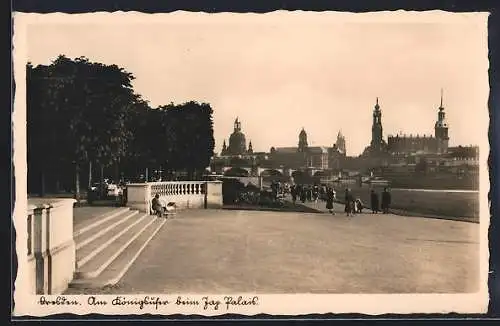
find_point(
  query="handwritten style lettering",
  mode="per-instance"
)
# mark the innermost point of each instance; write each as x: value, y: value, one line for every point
x: 186, y: 302
x: 92, y: 301
x: 240, y: 301
x: 151, y: 301
x: 210, y: 303
x: 58, y: 301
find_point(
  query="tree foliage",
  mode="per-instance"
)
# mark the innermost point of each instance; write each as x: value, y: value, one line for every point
x: 80, y: 111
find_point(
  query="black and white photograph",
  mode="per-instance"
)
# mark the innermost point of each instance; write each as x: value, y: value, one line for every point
x: 288, y: 162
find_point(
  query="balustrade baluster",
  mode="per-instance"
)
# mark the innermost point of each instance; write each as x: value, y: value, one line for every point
x: 30, y: 234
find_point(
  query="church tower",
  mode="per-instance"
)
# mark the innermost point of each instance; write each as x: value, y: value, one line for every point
x: 237, y: 125
x: 250, y: 148
x: 224, y: 148
x: 302, y: 141
x: 441, y: 129
x: 341, y: 143
x: 376, y: 143
x: 237, y: 140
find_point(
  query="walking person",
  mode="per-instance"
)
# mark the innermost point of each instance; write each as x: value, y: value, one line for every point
x: 293, y: 192
x: 329, y: 200
x: 374, y: 202
x: 386, y: 201
x: 358, y: 206
x: 349, y: 202
x: 303, y: 195
x: 315, y: 194
x: 353, y: 205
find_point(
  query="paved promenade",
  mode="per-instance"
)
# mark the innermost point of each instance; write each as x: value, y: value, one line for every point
x: 224, y: 251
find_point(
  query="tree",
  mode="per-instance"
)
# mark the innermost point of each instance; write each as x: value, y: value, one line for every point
x: 81, y: 112
x: 37, y: 116
x: 88, y: 104
x: 193, y: 142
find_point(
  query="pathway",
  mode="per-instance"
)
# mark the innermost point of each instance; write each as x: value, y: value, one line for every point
x: 221, y: 251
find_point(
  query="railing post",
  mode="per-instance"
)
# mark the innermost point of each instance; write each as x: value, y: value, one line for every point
x: 205, y: 195
x: 40, y: 248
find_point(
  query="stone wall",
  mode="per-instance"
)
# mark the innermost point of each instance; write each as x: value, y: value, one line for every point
x: 185, y: 194
x: 51, y: 248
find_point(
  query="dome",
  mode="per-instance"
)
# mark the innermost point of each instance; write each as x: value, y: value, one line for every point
x: 237, y: 143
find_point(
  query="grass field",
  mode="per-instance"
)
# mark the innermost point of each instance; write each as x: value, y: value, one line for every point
x: 456, y: 204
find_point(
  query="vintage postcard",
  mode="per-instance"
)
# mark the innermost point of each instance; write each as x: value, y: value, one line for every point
x: 285, y: 163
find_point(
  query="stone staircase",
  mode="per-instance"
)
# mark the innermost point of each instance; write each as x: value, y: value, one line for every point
x: 107, y: 245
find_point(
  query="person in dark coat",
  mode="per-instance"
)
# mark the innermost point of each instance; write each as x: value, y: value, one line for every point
x: 358, y: 206
x: 293, y: 192
x: 329, y: 200
x: 374, y: 202
x: 157, y: 206
x: 386, y: 201
x: 303, y: 195
x: 349, y: 203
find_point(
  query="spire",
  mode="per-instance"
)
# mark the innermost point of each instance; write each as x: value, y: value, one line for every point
x: 302, y: 140
x: 376, y: 104
x: 441, y: 105
x: 237, y: 124
x: 224, y: 148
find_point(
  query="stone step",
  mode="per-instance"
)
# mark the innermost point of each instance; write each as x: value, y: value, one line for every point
x: 108, y: 224
x: 98, y: 263
x: 98, y: 244
x: 97, y: 221
x: 120, y: 265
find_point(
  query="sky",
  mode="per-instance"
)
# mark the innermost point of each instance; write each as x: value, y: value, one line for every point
x: 281, y: 72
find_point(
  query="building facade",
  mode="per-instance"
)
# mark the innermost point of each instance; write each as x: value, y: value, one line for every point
x: 426, y: 144
x: 297, y: 157
x: 237, y: 142
x: 377, y: 146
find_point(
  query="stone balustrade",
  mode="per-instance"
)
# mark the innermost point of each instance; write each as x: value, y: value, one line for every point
x: 50, y: 245
x: 186, y: 194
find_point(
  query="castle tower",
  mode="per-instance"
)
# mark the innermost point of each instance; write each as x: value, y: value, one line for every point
x: 376, y: 143
x: 302, y: 141
x: 441, y: 129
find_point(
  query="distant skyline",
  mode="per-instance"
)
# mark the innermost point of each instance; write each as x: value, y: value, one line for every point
x: 317, y: 71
